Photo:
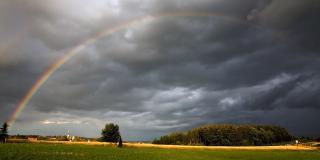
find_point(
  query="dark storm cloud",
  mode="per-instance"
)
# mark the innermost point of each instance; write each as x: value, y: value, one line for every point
x: 298, y: 19
x: 165, y: 74
x: 298, y: 92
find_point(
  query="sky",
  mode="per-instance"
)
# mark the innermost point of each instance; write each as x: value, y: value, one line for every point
x: 218, y: 62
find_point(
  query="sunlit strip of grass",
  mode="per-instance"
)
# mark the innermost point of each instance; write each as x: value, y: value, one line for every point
x: 34, y: 151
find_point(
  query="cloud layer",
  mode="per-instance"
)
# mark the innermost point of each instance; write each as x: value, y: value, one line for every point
x: 257, y: 63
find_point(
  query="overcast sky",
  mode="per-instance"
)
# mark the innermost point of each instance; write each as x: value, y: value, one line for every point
x: 257, y: 63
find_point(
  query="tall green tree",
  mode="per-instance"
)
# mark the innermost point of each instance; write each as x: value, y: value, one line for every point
x: 4, y: 132
x: 110, y: 133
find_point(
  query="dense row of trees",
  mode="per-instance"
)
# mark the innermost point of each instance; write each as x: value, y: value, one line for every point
x: 228, y: 135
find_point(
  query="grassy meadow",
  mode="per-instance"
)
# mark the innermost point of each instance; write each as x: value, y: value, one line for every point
x: 39, y: 151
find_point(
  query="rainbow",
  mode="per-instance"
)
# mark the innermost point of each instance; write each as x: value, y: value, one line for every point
x: 106, y: 32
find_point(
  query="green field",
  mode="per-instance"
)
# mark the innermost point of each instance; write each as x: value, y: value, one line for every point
x: 26, y: 151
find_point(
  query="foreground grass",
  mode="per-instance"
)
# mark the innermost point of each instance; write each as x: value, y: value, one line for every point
x: 28, y: 151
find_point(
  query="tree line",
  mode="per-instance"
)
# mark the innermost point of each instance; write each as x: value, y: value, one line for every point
x: 228, y: 135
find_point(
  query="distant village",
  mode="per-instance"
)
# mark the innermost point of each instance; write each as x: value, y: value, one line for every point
x: 51, y: 138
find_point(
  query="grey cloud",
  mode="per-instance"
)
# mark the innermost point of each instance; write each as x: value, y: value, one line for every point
x: 274, y: 96
x: 297, y: 19
x: 160, y: 75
